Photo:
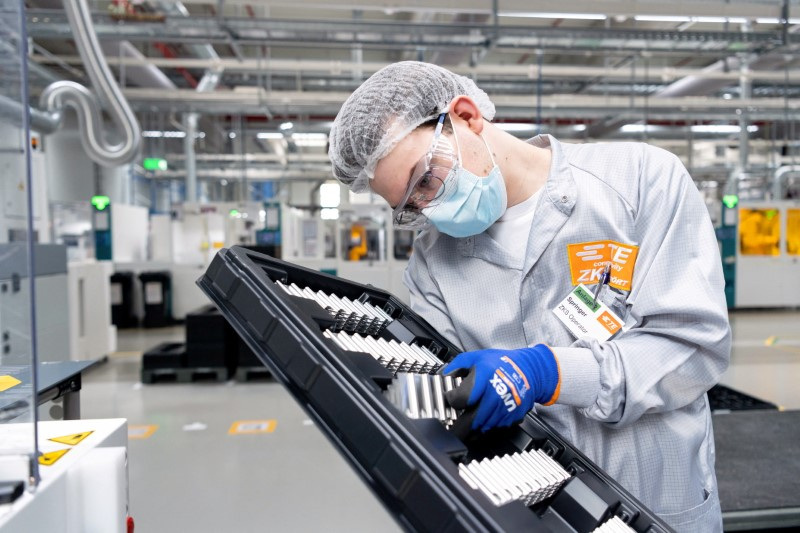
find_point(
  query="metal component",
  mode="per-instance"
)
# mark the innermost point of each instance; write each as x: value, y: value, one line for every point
x: 424, y: 383
x: 613, y: 525
x: 438, y: 397
x: 529, y: 477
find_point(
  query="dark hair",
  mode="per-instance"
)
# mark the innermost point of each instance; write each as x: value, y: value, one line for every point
x: 447, y: 127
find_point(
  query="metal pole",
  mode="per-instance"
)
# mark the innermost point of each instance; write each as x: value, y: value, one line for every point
x: 190, y: 126
x: 746, y: 89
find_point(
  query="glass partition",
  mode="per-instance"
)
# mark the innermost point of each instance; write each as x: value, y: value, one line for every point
x: 759, y: 231
x: 17, y: 348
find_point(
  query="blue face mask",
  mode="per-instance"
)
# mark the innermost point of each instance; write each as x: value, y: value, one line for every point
x: 471, y: 203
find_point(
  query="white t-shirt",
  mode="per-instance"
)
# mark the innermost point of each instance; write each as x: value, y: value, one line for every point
x: 514, y: 226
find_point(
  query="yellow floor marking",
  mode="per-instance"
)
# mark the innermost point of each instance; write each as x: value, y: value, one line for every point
x: 250, y: 427
x: 141, y: 432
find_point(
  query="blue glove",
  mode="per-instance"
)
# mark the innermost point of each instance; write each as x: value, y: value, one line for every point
x: 503, y: 384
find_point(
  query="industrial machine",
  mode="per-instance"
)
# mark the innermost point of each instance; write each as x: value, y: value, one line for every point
x: 364, y: 366
x: 759, y: 236
x: 120, y: 231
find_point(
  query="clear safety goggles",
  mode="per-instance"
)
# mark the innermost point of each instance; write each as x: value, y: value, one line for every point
x: 428, y: 181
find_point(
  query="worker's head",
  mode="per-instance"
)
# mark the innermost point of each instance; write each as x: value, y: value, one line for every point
x: 412, y: 134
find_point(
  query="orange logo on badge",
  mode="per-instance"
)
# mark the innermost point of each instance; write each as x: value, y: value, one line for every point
x: 588, y: 259
x: 609, y: 322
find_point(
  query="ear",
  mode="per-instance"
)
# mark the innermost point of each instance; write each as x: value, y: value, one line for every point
x: 467, y: 110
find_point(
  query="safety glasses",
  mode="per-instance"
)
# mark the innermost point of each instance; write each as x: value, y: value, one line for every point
x: 428, y: 182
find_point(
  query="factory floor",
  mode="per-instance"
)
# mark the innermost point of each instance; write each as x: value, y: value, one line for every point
x: 188, y: 473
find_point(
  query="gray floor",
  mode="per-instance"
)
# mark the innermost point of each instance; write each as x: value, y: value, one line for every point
x: 205, y: 480
x: 191, y: 475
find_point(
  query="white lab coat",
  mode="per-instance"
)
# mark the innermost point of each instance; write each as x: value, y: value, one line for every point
x: 636, y: 405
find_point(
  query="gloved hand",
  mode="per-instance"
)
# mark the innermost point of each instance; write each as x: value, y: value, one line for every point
x: 503, y: 384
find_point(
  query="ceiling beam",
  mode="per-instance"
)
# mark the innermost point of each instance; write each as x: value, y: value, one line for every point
x: 626, y: 8
x: 322, y: 67
x: 253, y: 100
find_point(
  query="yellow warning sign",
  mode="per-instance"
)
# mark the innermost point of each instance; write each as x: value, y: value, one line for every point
x: 50, y: 458
x: 7, y: 382
x: 141, y: 432
x: 249, y: 427
x: 73, y: 439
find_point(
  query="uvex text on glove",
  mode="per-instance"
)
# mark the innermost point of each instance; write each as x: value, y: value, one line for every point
x: 502, y: 385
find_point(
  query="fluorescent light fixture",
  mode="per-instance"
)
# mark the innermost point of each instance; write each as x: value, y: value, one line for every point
x: 661, y: 18
x: 722, y: 128
x: 775, y: 20
x: 270, y: 135
x: 697, y: 128
x: 329, y: 213
x: 515, y: 126
x: 310, y: 139
x: 721, y: 20
x: 579, y: 127
x: 538, y: 15
x: 286, y: 126
x: 715, y: 128
x: 155, y: 134
x: 679, y: 18
x: 633, y: 128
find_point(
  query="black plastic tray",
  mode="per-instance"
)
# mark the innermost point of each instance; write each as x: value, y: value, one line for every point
x: 411, y: 465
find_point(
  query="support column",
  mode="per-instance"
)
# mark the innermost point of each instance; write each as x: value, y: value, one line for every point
x: 190, y: 126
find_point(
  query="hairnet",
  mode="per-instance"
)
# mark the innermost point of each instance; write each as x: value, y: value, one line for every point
x: 387, y: 107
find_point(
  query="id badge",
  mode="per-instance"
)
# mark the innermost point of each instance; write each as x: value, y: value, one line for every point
x: 586, y: 318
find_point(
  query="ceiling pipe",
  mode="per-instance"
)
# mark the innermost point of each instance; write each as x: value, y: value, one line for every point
x: 60, y: 94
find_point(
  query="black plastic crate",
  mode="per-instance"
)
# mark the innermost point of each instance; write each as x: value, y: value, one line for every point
x: 411, y: 464
x: 122, y: 314
x: 722, y: 398
x: 157, y: 298
x: 165, y: 355
x: 210, y: 340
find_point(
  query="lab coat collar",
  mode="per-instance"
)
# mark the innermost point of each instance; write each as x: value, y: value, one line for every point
x: 552, y: 211
x: 557, y: 203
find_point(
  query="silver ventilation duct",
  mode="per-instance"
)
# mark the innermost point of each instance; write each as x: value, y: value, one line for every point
x: 88, y: 105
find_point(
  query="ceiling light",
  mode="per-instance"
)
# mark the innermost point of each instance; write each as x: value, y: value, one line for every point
x: 634, y: 128
x: 515, y: 126
x: 156, y: 134
x: 310, y: 139
x: 538, y: 15
x: 661, y: 18
x: 678, y: 18
x: 775, y: 21
x: 269, y: 135
x: 286, y: 126
x: 232, y: 135
x: 722, y: 128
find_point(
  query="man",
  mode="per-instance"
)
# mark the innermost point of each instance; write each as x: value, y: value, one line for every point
x: 584, y: 278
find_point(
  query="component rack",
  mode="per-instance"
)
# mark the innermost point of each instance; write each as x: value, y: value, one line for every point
x: 365, y: 368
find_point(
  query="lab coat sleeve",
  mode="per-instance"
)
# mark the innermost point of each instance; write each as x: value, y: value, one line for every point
x: 680, y: 343
x: 426, y: 299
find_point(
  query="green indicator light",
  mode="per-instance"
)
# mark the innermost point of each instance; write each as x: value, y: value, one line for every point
x: 234, y: 213
x: 730, y: 200
x: 154, y: 163
x: 100, y: 202
x: 771, y: 214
